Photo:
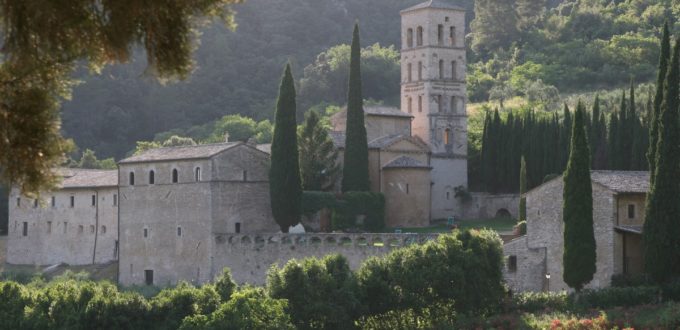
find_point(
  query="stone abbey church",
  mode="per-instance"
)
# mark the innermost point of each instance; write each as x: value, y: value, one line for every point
x: 166, y: 213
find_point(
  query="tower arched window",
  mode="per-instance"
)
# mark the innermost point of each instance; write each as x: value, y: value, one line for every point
x: 420, y: 71
x: 409, y: 72
x: 447, y: 136
x: 440, y: 34
x: 409, y: 101
x: 132, y: 178
x: 420, y: 103
x: 409, y: 38
x: 175, y: 176
x: 419, y: 36
x: 197, y: 174
x: 440, y: 103
x: 452, y: 36
x: 453, y: 104
x: 152, y: 177
x: 441, y: 69
x: 454, y: 71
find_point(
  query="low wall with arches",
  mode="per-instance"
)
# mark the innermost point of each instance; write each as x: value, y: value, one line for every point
x: 485, y: 206
x: 249, y: 256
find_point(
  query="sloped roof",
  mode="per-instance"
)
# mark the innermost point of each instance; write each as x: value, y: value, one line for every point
x: 406, y: 162
x: 437, y: 4
x: 84, y: 178
x: 379, y: 110
x: 201, y: 151
x: 622, y: 181
x: 266, y: 147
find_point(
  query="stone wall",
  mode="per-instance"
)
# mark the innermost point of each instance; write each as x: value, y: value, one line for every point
x: 250, y: 256
x: 485, y: 205
x: 528, y: 272
x: 407, y: 197
x: 81, y: 234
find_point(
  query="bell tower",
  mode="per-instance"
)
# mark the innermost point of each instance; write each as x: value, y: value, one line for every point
x: 433, y: 91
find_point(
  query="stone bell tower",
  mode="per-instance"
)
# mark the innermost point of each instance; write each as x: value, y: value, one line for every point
x: 433, y: 91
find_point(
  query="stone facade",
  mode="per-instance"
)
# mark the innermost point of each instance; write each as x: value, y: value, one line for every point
x: 166, y: 225
x: 531, y: 257
x: 485, y: 206
x: 76, y: 224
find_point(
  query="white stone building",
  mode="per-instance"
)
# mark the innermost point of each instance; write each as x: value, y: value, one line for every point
x: 618, y: 217
x: 77, y: 224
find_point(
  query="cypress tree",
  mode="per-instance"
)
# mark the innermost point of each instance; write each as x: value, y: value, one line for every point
x: 661, y: 238
x: 487, y: 170
x: 522, y: 190
x: 355, y: 171
x: 622, y: 143
x: 565, y: 138
x: 579, y: 239
x: 318, y: 157
x: 658, y: 99
x: 612, y: 152
x: 285, y: 188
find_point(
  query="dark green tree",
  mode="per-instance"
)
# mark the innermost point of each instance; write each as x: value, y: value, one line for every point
x: 494, y: 26
x: 655, y: 114
x: 579, y: 239
x: 285, y: 188
x: 529, y: 13
x: 355, y: 166
x: 318, y: 157
x: 522, y: 190
x: 661, y: 238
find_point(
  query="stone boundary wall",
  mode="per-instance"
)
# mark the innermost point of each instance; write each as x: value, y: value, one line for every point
x: 249, y: 256
x: 485, y: 205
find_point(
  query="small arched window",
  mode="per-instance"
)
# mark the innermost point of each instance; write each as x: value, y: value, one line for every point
x: 441, y: 69
x: 419, y: 36
x: 420, y: 70
x: 197, y: 174
x: 453, y: 104
x: 440, y: 34
x: 132, y: 178
x: 152, y: 177
x: 409, y: 38
x: 420, y: 103
x: 409, y: 72
x: 447, y: 134
x: 175, y: 176
x: 440, y: 103
x: 452, y: 35
x: 410, y: 104
x: 454, y: 73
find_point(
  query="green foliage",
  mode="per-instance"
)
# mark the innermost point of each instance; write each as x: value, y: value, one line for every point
x: 13, y: 299
x: 355, y: 164
x: 538, y: 301
x: 579, y: 238
x: 314, y: 201
x: 178, y: 141
x: 249, y: 308
x: 435, y: 316
x: 225, y: 285
x: 522, y: 190
x: 617, y: 297
x: 355, y: 203
x: 655, y: 112
x: 284, y: 174
x: 172, y: 305
x: 522, y: 227
x: 319, y: 166
x: 439, y: 271
x: 661, y: 233
x: 321, y: 293
x: 238, y: 127
x: 89, y: 160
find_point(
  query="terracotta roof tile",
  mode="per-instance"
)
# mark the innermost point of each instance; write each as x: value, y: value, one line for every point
x: 179, y: 153
x: 438, y: 4
x: 84, y: 178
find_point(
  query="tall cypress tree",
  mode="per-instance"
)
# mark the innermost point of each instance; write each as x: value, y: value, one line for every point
x: 661, y: 235
x: 579, y: 239
x: 658, y: 99
x: 622, y: 143
x: 285, y: 188
x: 355, y: 170
x: 522, y: 190
x: 565, y: 138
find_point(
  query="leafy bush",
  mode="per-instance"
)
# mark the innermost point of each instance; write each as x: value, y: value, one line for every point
x: 314, y: 201
x: 321, y: 293
x: 464, y: 267
x: 225, y: 285
x: 249, y: 308
x: 616, y: 297
x: 437, y: 316
x: 539, y: 301
x: 522, y: 227
x: 172, y: 305
x: 354, y: 203
x: 14, y: 297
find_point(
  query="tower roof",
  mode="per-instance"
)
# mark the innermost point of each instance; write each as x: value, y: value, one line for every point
x: 436, y: 4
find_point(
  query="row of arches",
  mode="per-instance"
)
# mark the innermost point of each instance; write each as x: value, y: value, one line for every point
x: 452, y: 72
x: 452, y: 108
x: 175, y: 176
x: 440, y: 36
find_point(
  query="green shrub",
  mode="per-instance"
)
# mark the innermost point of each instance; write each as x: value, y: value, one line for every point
x: 437, y: 316
x: 539, y: 301
x: 249, y: 308
x: 354, y: 203
x: 117, y: 310
x: 225, y: 285
x: 314, y: 201
x: 321, y: 293
x: 522, y: 226
x: 623, y: 280
x: 14, y: 297
x: 172, y: 305
x: 616, y: 297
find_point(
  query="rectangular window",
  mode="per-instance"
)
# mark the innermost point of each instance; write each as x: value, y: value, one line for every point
x: 409, y: 100
x: 54, y: 201
x: 245, y: 175
x: 179, y: 231
x: 35, y: 203
x: 65, y: 227
x: 420, y: 70
x: 453, y: 104
x: 448, y: 195
x: 452, y: 35
x: 408, y: 188
x: 409, y: 72
x: 18, y: 202
x: 49, y: 227
x: 94, y: 200
x: 91, y: 229
x: 440, y: 103
x: 80, y: 229
x: 115, y: 200
x: 512, y: 264
x: 440, y: 34
x: 146, y: 232
x: 454, y: 73
x: 237, y: 227
x: 631, y: 211
x: 420, y: 103
x: 148, y: 277
x: 73, y: 201
x: 25, y: 229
